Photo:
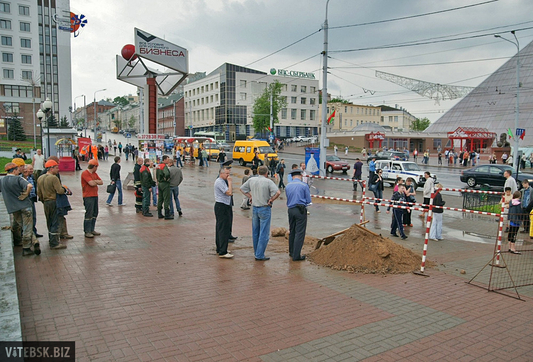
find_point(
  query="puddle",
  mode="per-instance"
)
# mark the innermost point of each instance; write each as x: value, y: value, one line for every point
x: 470, y: 236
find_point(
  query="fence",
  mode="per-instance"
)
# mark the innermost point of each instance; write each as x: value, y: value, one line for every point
x: 507, y: 271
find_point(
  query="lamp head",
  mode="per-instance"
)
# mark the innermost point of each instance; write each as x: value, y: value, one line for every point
x: 40, y: 114
x: 47, y: 105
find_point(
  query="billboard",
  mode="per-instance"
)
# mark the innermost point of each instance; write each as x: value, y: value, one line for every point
x: 161, y: 51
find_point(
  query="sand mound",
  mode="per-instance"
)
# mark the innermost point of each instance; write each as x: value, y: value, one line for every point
x: 360, y: 251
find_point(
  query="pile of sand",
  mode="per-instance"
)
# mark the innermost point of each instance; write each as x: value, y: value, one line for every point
x: 360, y: 251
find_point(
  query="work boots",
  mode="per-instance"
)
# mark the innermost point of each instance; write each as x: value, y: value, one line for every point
x: 167, y: 215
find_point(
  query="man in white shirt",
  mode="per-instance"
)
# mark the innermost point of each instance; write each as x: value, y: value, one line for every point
x: 510, y: 181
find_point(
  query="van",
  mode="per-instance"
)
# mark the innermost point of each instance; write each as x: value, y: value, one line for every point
x: 114, y: 130
x: 244, y: 151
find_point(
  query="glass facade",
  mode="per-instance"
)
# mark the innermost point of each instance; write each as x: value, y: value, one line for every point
x: 229, y: 112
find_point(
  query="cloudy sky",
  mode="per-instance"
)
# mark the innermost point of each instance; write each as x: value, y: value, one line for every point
x: 244, y: 32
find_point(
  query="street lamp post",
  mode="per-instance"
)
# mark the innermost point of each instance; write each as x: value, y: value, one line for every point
x: 43, y: 113
x: 324, y: 97
x: 516, y: 159
x: 85, y: 120
x: 94, y: 106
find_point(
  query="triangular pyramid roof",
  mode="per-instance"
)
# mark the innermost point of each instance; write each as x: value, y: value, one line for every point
x: 491, y: 105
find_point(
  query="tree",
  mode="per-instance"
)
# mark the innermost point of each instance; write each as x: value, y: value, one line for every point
x: 121, y: 101
x: 420, y: 124
x: 16, y: 132
x: 118, y: 123
x: 64, y: 123
x: 339, y: 100
x: 261, y: 121
x: 132, y: 121
x: 52, y: 122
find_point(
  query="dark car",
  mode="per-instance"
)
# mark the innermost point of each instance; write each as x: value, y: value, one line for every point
x: 333, y: 163
x: 492, y: 175
x: 388, y: 155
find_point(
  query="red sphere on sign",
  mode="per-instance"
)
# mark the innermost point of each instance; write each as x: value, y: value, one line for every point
x: 128, y: 52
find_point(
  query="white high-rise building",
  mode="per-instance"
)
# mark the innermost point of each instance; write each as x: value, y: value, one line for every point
x: 36, y: 59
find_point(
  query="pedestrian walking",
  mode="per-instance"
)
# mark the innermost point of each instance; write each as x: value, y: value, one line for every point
x: 89, y: 186
x: 16, y: 191
x: 120, y: 148
x: 223, y: 192
x: 298, y: 198
x: 335, y: 149
x: 262, y: 191
x: 114, y: 176
x: 357, y: 173
x: 346, y: 151
x: 280, y: 170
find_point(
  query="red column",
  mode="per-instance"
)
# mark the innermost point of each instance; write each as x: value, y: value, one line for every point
x: 152, y: 106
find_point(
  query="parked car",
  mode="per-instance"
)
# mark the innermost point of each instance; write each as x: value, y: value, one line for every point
x: 404, y: 169
x: 388, y: 155
x: 492, y: 175
x: 334, y: 163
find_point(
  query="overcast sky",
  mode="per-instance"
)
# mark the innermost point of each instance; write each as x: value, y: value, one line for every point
x: 244, y: 31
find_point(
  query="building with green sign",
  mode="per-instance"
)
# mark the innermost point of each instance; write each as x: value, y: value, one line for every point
x: 223, y: 102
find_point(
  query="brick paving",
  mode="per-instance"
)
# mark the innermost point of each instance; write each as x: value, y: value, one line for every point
x: 154, y: 290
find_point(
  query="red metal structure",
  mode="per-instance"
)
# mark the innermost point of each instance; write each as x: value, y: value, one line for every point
x: 473, y: 137
x: 375, y: 136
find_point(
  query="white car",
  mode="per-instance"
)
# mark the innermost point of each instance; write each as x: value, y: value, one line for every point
x: 403, y: 169
x: 312, y: 139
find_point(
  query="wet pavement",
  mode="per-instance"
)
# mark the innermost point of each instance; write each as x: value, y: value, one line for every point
x: 150, y: 289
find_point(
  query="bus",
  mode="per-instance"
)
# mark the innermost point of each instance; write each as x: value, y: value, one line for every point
x: 219, y: 137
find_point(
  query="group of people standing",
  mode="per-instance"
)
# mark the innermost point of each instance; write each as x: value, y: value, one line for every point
x: 26, y: 184
x: 163, y: 189
x: 261, y: 191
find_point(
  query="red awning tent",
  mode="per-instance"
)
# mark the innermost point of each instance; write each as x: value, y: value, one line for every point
x: 375, y: 136
x: 473, y: 136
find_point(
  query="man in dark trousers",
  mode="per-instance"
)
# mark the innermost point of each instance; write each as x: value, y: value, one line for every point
x: 397, y: 213
x: 223, y: 212
x: 357, y: 173
x: 163, y: 185
x: 16, y: 190
x: 281, y: 173
x: 137, y: 185
x: 147, y: 183
x: 298, y: 197
x: 114, y: 175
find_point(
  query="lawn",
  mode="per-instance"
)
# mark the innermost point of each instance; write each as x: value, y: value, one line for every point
x: 25, y: 146
x: 5, y: 160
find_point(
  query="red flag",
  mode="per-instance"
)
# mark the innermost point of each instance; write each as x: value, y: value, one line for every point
x: 269, y: 129
x: 523, y: 135
x: 331, y: 116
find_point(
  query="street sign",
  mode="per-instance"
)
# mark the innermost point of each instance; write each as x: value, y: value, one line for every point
x: 128, y: 135
x: 519, y: 131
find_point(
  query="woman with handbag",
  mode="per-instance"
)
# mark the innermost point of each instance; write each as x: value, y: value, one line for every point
x: 376, y: 186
